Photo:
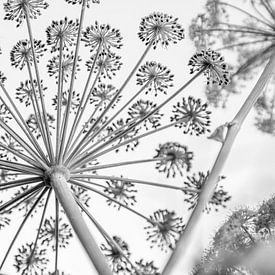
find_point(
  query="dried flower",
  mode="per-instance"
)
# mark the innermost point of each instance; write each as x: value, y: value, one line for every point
x: 30, y: 263
x: 116, y: 260
x: 5, y: 115
x: 156, y: 76
x: 82, y: 195
x: 212, y: 64
x: 192, y: 115
x: 122, y: 191
x: 196, y: 182
x: 160, y: 28
x: 25, y: 93
x: 8, y: 141
x: 175, y: 158
x: 67, y: 65
x: 82, y: 1
x: 165, y: 229
x: 17, y: 9
x: 64, y: 31
x: 64, y: 101
x: 48, y: 235
x: 102, y: 36
x: 143, y: 107
x: 106, y: 63
x: 146, y: 268
x: 21, y: 53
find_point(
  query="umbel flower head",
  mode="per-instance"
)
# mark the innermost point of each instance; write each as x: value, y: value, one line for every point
x: 29, y: 262
x: 21, y: 53
x: 160, y: 28
x: 165, y: 229
x: 17, y: 9
x: 219, y: 198
x: 156, y: 77
x: 212, y: 65
x: 102, y: 36
x: 88, y: 2
x: 174, y: 157
x: 146, y: 268
x: 63, y: 31
x: 192, y: 115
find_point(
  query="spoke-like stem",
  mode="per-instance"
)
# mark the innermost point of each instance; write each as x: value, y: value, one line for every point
x: 237, y: 31
x: 41, y: 221
x: 105, y: 234
x: 13, y: 166
x: 111, y: 103
x: 23, y: 125
x: 209, y: 187
x: 81, y: 109
x: 155, y: 110
x: 44, y: 113
x: 22, y: 143
x: 111, y: 199
x: 20, y: 196
x: 59, y: 99
x: 21, y: 226
x: 143, y: 182
x: 16, y: 183
x: 66, y: 199
x: 68, y: 107
x: 56, y: 235
x: 111, y: 165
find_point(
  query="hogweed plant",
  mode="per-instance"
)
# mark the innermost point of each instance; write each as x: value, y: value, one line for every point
x: 57, y: 159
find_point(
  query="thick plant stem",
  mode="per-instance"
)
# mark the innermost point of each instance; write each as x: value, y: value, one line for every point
x: 209, y: 187
x: 66, y: 199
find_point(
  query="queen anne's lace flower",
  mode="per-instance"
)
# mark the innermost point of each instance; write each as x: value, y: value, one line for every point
x: 102, y: 35
x: 146, y: 268
x: 213, y: 66
x: 160, y: 28
x: 8, y: 141
x: 21, y: 53
x: 30, y: 263
x: 157, y: 77
x: 16, y: 9
x: 74, y: 100
x: 48, y: 235
x: 63, y: 30
x: 175, y: 156
x: 88, y: 2
x: 5, y: 115
x: 196, y: 182
x: 116, y: 260
x: 165, y: 229
x: 122, y: 191
x: 192, y: 115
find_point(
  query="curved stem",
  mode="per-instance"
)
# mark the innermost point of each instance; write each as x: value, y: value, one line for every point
x: 66, y: 199
x: 208, y: 189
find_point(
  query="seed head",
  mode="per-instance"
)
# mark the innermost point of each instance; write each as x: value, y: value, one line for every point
x: 74, y: 100
x: 146, y: 268
x: 88, y: 2
x: 192, y: 115
x: 213, y: 66
x: 160, y: 28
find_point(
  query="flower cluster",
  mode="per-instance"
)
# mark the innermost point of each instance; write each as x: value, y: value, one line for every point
x: 165, y: 229
x: 174, y: 157
x: 21, y: 53
x: 82, y: 2
x: 7, y: 141
x: 102, y: 36
x: 64, y: 101
x: 5, y: 115
x: 192, y: 116
x: 160, y: 28
x: 63, y: 31
x: 18, y: 9
x: 146, y: 268
x: 196, y: 182
x: 2, y: 78
x: 122, y: 191
x: 212, y: 64
x: 156, y: 77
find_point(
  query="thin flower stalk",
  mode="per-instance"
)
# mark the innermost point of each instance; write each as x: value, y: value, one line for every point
x: 24, y: 127
x: 105, y: 234
x: 21, y: 226
x: 110, y: 198
x: 23, y: 182
x: 209, y: 187
x: 20, y: 167
x: 81, y: 109
x: 143, y: 182
x: 68, y: 107
x: 56, y: 234
x: 149, y: 46
x: 44, y: 113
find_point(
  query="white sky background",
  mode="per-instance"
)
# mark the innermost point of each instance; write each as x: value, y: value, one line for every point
x: 250, y: 167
